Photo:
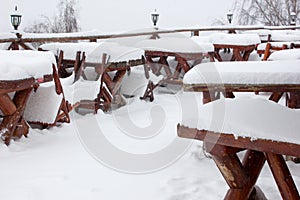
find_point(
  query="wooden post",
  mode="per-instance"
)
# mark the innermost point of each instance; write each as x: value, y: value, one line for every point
x: 283, y: 177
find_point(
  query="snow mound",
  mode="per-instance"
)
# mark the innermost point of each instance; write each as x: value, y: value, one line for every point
x: 16, y: 65
x: 249, y: 117
x: 254, y: 72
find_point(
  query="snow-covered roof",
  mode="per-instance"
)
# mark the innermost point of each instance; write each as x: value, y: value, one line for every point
x: 254, y: 72
x: 94, y: 51
x: 16, y: 65
x: 249, y: 117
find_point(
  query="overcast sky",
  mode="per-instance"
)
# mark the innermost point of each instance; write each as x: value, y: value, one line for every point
x: 122, y: 15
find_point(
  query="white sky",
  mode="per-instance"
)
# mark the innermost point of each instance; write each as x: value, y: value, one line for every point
x: 121, y: 15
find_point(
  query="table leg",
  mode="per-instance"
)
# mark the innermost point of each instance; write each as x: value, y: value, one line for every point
x: 282, y: 176
x: 241, y: 178
x: 165, y: 64
x: 236, y: 55
x: 10, y: 122
x: 294, y: 100
x: 217, y: 55
x: 247, y: 55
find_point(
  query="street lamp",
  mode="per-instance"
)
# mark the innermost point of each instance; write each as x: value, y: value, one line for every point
x: 15, y: 18
x: 229, y: 16
x: 293, y: 19
x: 154, y: 16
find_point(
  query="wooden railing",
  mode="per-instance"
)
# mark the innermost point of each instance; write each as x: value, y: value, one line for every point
x: 30, y: 38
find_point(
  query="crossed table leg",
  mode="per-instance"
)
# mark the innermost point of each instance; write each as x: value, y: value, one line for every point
x: 241, y: 176
x: 13, y: 125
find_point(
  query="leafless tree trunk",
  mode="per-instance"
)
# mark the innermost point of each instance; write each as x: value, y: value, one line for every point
x: 266, y: 12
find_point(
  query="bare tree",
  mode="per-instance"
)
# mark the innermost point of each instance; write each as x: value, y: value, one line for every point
x: 266, y: 12
x: 65, y: 21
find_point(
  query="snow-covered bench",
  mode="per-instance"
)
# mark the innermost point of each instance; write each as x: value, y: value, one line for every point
x: 265, y: 129
x: 20, y: 73
x: 277, y: 77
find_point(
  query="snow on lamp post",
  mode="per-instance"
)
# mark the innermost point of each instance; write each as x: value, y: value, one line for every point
x: 229, y: 16
x: 293, y: 19
x: 154, y: 16
x: 15, y: 18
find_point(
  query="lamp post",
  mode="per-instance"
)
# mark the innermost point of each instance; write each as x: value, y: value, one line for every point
x: 293, y: 19
x: 229, y: 16
x: 154, y: 16
x: 15, y: 18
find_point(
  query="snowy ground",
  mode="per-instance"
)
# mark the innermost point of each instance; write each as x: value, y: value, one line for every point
x: 58, y: 163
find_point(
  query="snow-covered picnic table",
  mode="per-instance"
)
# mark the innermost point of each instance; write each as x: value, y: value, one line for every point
x: 20, y: 73
x: 161, y: 53
x: 269, y: 48
x: 277, y: 77
x: 108, y: 60
x: 242, y: 45
x: 265, y: 129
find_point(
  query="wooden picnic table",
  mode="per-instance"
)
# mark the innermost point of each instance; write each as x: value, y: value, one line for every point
x: 246, y: 77
x: 239, y: 52
x: 181, y: 58
x: 241, y: 45
x: 171, y: 76
x: 109, y: 61
x: 13, y: 124
x: 27, y: 71
x: 241, y: 176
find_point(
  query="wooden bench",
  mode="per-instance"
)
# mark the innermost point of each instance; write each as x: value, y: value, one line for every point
x: 231, y: 135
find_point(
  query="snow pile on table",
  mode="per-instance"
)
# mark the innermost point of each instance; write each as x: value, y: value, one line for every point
x: 255, y: 72
x: 135, y: 83
x: 16, y: 65
x: 172, y: 44
x: 204, y: 43
x: 249, y: 117
x: 94, y: 51
x: 117, y: 52
x: 286, y: 54
x: 43, y: 105
x: 235, y: 39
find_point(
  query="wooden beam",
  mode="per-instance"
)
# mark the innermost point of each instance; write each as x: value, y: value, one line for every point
x: 283, y: 148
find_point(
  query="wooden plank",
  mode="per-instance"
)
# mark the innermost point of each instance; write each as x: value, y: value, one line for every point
x: 232, y: 171
x: 17, y: 85
x: 282, y: 176
x: 241, y: 87
x: 6, y: 105
x: 283, y: 148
